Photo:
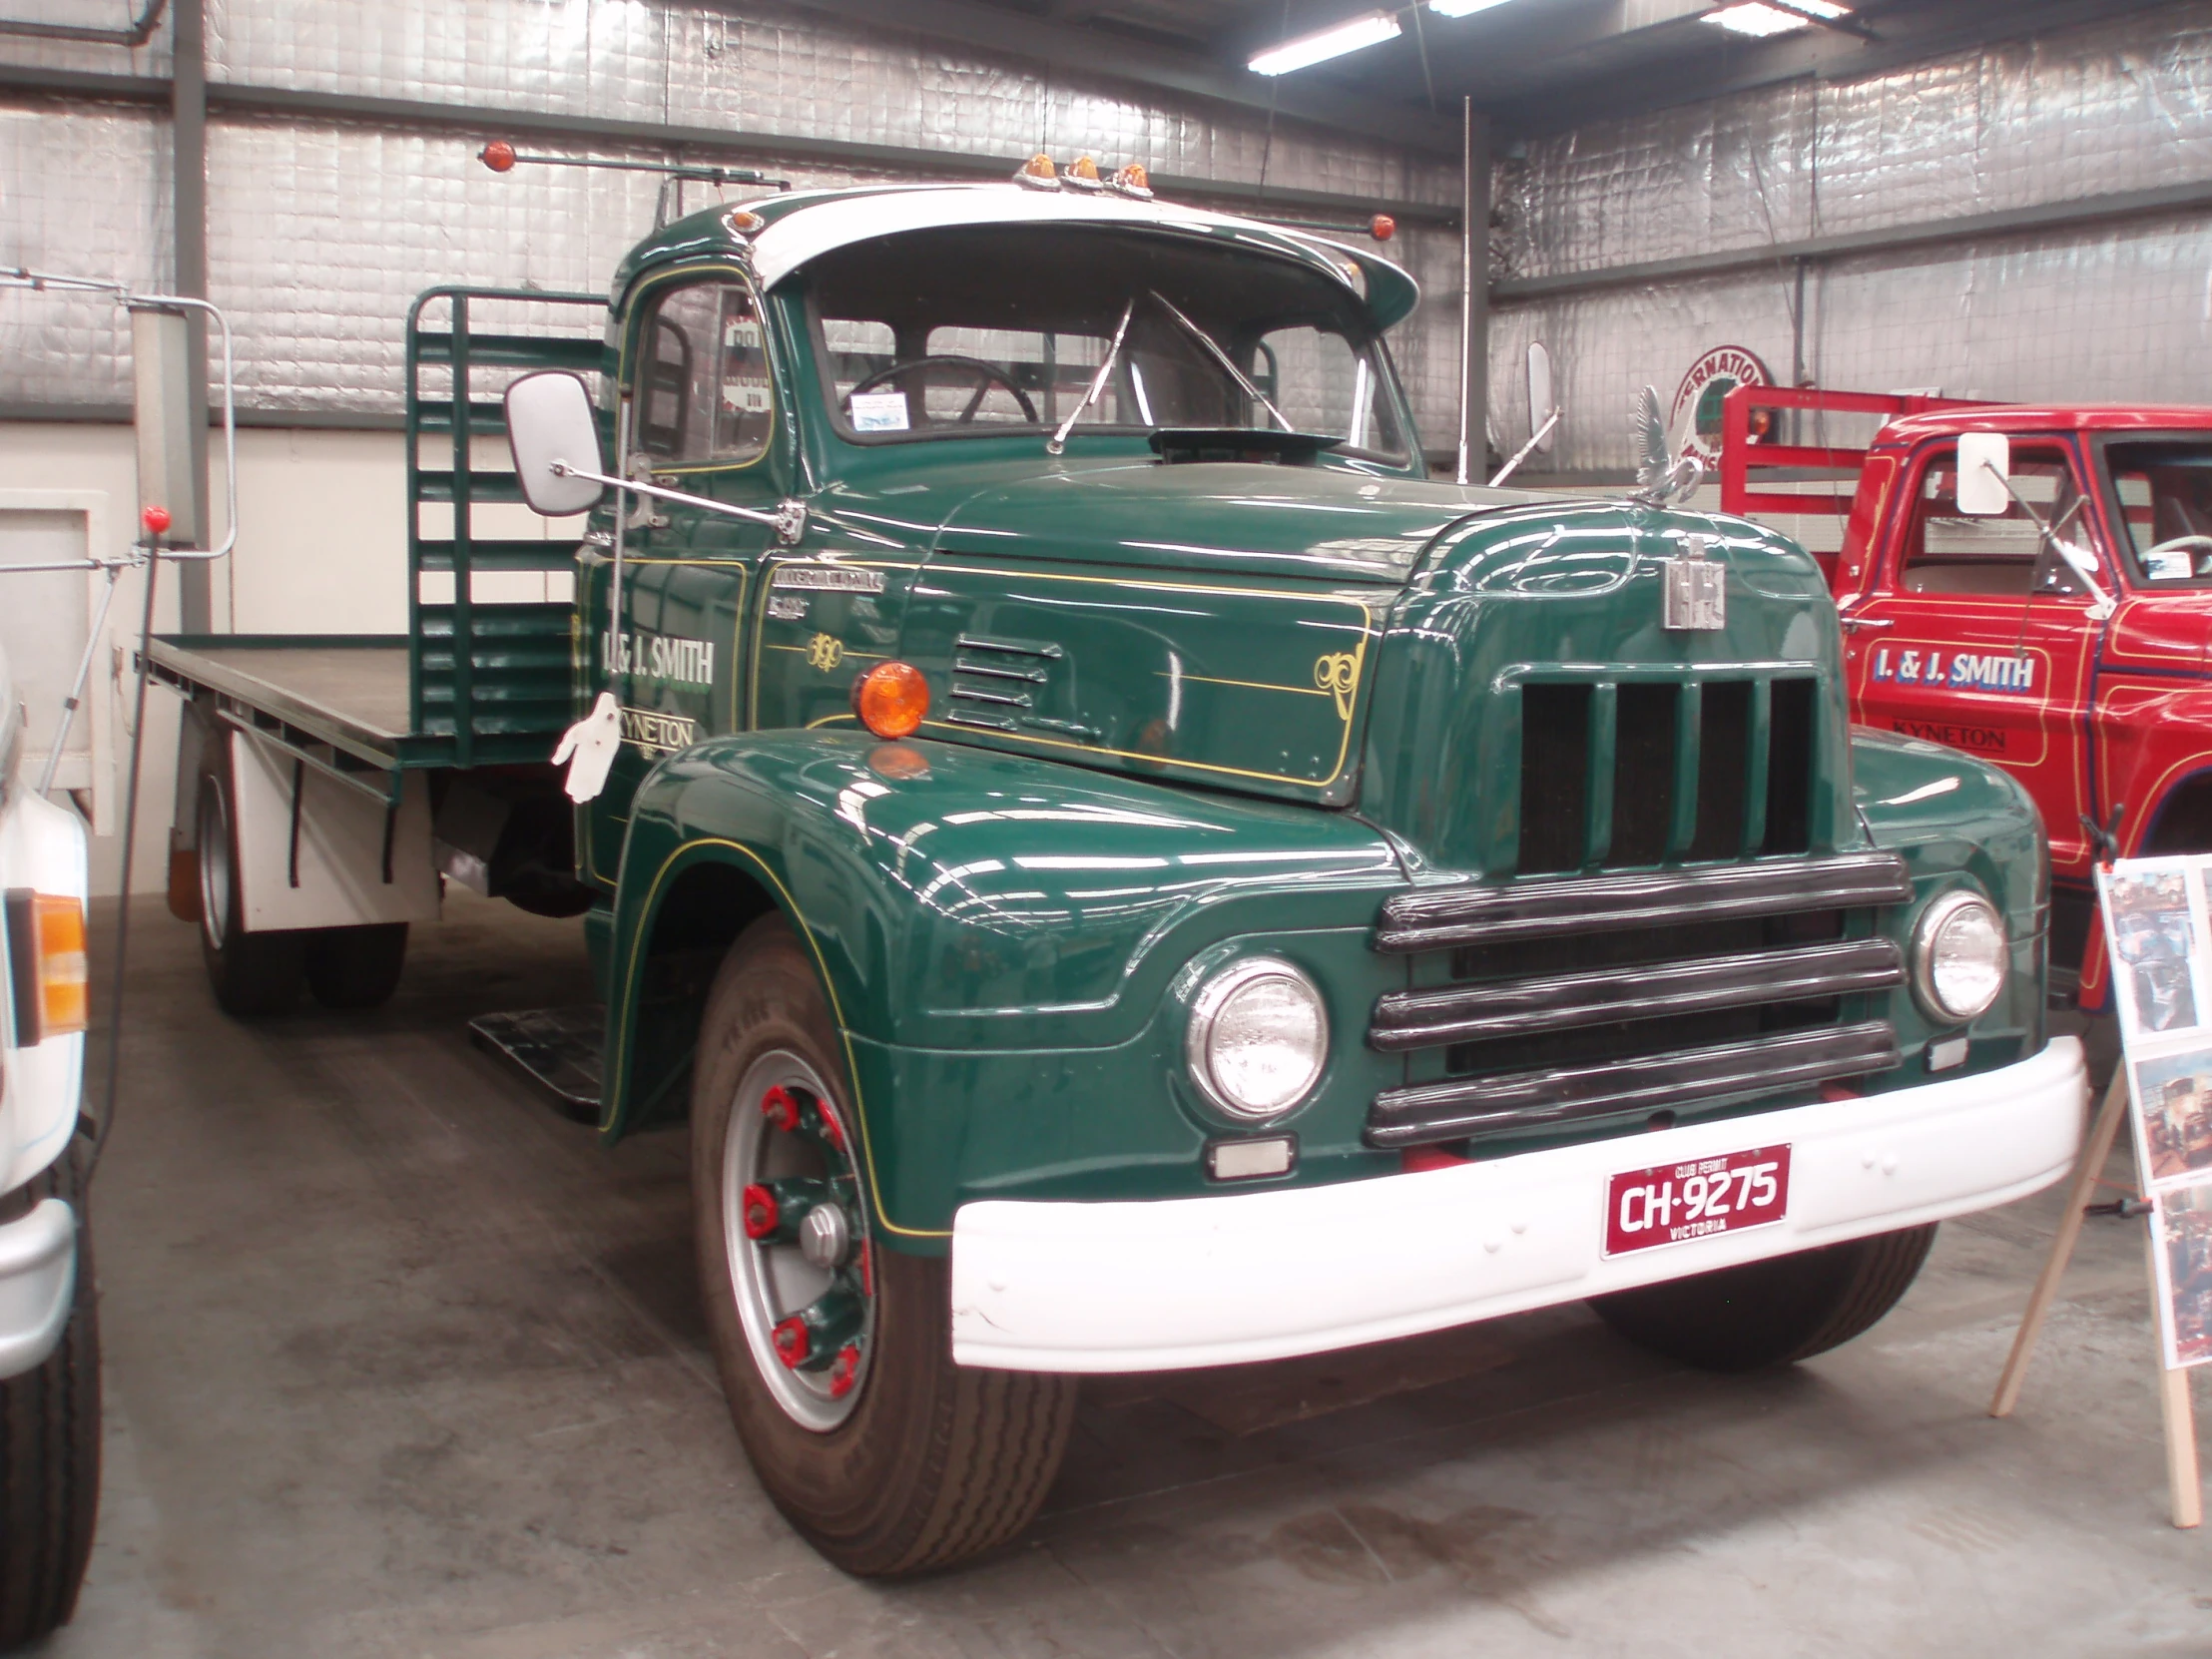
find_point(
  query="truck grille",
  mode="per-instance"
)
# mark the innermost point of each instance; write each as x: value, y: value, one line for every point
x: 1617, y: 773
x: 1567, y: 1002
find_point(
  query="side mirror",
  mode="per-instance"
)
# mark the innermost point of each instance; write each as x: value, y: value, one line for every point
x: 1984, y: 466
x: 1540, y: 402
x: 554, y: 439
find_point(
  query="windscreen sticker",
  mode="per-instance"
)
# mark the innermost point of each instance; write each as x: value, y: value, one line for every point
x: 879, y: 411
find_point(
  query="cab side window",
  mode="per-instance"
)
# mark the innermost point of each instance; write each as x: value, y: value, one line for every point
x: 702, y: 392
x: 1998, y: 556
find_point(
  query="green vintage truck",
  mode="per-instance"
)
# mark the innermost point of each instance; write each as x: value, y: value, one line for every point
x: 1120, y: 869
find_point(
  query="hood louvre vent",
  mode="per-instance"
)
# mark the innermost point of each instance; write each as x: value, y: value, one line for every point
x: 998, y: 684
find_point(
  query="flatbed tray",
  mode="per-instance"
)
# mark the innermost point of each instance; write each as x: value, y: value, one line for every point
x: 350, y: 689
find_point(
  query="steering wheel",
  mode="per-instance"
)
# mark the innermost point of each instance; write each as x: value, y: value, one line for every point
x: 984, y: 375
x: 2178, y: 544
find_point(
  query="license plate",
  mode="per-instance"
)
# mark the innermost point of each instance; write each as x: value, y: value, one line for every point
x: 1674, y: 1203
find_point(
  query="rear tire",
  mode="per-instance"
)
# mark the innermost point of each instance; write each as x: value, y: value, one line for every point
x: 920, y: 1463
x: 253, y: 974
x: 1773, y: 1312
x: 356, y: 967
x: 50, y: 1453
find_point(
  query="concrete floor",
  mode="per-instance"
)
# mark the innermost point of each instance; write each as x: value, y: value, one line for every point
x: 402, y: 1363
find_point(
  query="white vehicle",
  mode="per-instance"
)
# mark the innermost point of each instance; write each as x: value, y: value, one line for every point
x: 49, y: 1331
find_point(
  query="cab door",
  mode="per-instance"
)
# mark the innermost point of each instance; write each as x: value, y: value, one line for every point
x: 699, y: 414
x: 1970, y: 635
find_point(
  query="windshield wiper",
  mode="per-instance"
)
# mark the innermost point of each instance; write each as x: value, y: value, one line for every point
x: 1221, y: 358
x: 1059, y: 439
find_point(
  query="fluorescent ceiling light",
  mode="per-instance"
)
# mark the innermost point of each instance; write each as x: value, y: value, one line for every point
x: 1757, y: 18
x: 1323, y: 44
x: 1462, y: 8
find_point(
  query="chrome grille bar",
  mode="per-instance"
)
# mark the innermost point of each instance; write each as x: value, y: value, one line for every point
x: 1563, y: 1095
x: 1514, y: 1007
x: 1442, y: 918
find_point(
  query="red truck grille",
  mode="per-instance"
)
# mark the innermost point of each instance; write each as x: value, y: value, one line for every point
x: 1564, y: 1004
x: 1616, y: 773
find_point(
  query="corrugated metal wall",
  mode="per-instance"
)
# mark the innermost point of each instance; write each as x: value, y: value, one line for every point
x: 2105, y: 313
x: 319, y: 233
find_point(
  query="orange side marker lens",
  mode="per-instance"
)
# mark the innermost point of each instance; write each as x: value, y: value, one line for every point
x: 65, y: 975
x: 891, y: 699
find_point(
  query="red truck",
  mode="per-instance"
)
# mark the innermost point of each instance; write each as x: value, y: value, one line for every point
x: 2066, y: 637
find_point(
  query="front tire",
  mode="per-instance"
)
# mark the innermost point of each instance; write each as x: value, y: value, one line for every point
x: 50, y: 1455
x: 356, y: 967
x: 252, y: 974
x: 1771, y: 1313
x: 835, y: 1354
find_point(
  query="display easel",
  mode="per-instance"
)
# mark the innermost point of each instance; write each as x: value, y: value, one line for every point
x: 2173, y: 1385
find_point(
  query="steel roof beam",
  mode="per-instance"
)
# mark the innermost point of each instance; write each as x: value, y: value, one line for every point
x: 2069, y: 214
x: 488, y: 121
x: 1091, y: 52
x: 1686, y: 65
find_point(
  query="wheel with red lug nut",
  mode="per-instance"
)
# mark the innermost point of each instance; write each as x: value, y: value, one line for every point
x: 833, y: 1335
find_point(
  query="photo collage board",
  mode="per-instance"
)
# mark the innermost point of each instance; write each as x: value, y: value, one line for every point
x: 2161, y: 940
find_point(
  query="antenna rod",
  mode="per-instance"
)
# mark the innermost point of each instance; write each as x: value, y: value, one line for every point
x: 502, y: 157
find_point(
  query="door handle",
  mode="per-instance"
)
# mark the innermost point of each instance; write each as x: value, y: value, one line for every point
x: 1851, y: 624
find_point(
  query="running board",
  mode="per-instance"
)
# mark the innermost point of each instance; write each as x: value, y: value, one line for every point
x: 556, y: 1049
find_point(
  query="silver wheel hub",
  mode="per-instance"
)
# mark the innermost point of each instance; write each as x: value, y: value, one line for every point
x: 796, y: 1236
x: 823, y: 1237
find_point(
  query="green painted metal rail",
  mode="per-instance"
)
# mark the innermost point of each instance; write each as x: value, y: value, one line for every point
x: 490, y: 672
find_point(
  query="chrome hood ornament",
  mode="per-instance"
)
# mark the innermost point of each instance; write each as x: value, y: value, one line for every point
x: 1661, y: 476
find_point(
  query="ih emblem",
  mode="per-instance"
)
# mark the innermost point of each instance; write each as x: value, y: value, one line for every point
x: 1696, y: 588
x: 823, y: 652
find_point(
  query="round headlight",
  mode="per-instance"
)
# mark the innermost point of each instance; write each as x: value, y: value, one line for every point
x: 1958, y: 953
x: 1259, y: 1036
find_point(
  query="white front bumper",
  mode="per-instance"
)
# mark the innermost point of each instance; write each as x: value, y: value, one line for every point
x: 38, y: 1278
x: 1259, y: 1275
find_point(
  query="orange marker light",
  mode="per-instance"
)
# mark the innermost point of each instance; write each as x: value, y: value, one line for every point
x: 64, y: 972
x: 1134, y: 181
x: 499, y: 155
x: 48, y: 963
x: 1382, y: 227
x: 891, y: 699
x: 1038, y: 172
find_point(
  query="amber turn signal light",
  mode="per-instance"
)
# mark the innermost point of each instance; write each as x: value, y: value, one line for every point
x: 891, y: 699
x: 48, y: 965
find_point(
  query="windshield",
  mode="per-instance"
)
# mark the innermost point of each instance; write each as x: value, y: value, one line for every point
x: 2163, y: 488
x: 988, y: 329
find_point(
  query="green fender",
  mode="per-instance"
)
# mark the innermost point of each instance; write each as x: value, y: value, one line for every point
x: 1959, y: 821
x: 970, y: 911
